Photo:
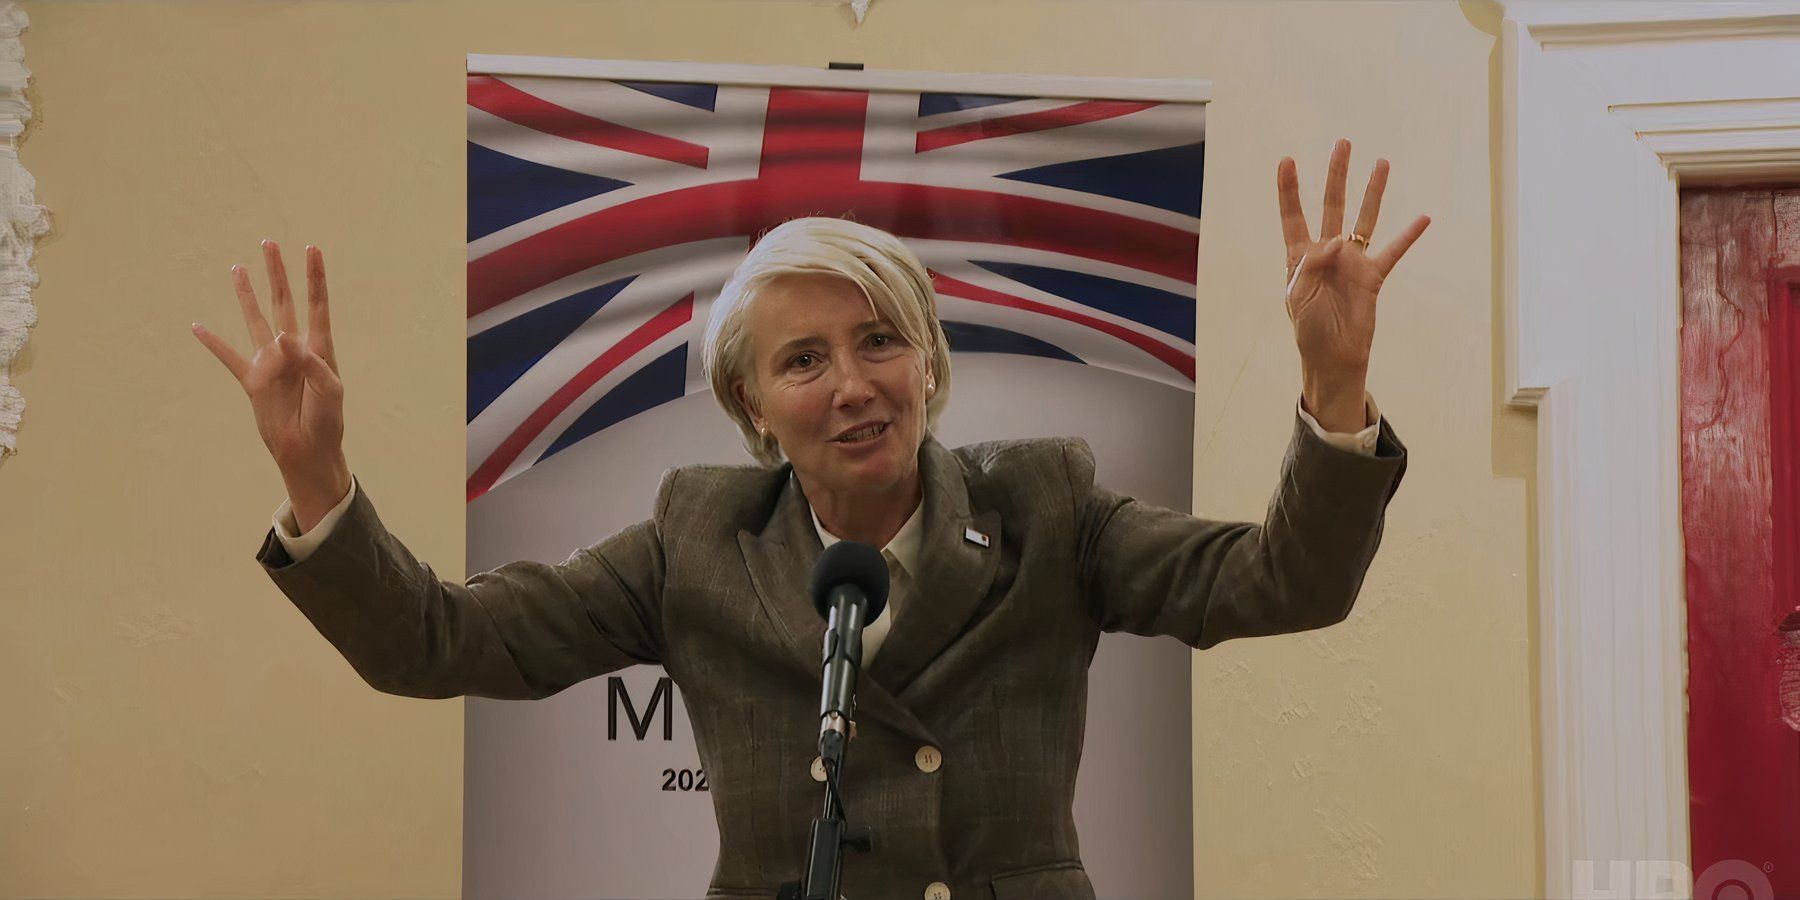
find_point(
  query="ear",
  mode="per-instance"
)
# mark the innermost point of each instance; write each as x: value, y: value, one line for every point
x: 746, y: 404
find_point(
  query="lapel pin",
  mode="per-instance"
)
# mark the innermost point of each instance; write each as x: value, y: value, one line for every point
x: 975, y: 537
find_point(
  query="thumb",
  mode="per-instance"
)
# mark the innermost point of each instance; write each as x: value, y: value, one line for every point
x: 318, y: 372
x: 1309, y: 263
x: 1331, y: 249
x: 1311, y: 266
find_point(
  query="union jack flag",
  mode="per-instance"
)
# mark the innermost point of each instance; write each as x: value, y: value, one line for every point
x: 605, y: 216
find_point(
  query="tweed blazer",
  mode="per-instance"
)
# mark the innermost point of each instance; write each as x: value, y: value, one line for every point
x: 987, y: 664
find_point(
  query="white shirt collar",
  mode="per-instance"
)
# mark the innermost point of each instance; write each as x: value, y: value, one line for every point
x: 904, y: 546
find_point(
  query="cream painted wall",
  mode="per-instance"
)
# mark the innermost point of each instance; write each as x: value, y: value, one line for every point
x: 178, y: 729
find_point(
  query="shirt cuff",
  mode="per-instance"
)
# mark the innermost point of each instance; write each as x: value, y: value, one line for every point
x: 287, y: 528
x: 1362, y: 442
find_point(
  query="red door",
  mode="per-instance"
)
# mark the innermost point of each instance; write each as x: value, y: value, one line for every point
x: 1740, y: 466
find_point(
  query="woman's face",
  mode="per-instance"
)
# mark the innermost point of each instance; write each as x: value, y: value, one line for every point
x: 822, y: 370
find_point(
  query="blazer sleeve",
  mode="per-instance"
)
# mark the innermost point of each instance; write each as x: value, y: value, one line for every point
x: 1152, y: 571
x: 522, y: 631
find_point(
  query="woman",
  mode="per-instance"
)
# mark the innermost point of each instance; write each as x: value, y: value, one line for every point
x: 1008, y: 561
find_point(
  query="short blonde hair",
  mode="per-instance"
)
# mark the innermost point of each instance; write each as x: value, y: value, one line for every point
x: 890, y: 275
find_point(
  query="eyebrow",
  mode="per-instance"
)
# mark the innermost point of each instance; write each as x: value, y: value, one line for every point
x: 781, y: 352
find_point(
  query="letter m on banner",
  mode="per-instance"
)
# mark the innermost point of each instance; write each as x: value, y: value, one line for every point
x: 618, y: 696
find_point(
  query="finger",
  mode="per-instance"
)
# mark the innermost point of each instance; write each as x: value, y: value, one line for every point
x: 318, y: 308
x: 1371, y: 201
x: 1390, y: 255
x: 1335, y: 175
x: 1293, y: 218
x: 281, y: 299
x: 233, y: 362
x: 260, y: 333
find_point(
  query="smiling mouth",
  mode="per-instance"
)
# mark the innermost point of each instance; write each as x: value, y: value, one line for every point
x: 867, y: 434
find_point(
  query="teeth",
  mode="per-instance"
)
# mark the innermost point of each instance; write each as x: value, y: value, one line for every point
x: 862, y: 435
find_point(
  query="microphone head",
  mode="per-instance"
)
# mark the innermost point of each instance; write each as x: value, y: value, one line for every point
x: 857, y: 565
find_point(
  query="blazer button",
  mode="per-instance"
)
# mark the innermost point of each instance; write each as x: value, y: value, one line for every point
x: 929, y: 759
x: 937, y: 890
x: 818, y: 769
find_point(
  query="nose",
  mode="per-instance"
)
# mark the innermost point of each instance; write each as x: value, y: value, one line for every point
x: 853, y: 388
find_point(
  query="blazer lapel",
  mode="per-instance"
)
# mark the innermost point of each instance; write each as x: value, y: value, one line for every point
x: 780, y: 559
x: 954, y: 573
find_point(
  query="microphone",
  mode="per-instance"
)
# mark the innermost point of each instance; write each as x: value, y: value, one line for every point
x: 849, y: 589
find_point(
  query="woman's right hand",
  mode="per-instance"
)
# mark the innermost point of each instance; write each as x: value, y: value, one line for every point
x: 292, y: 382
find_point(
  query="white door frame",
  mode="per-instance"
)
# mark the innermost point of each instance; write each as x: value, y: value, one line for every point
x: 1609, y: 107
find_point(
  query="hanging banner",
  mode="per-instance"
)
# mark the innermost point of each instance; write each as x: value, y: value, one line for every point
x: 609, y: 202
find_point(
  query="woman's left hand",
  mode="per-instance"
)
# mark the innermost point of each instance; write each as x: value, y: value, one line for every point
x: 1332, y: 285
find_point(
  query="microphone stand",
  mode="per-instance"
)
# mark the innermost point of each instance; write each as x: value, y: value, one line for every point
x: 824, y: 871
x: 830, y: 834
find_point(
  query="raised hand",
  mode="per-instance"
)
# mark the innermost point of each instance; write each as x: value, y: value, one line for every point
x: 1332, y: 285
x: 292, y: 383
